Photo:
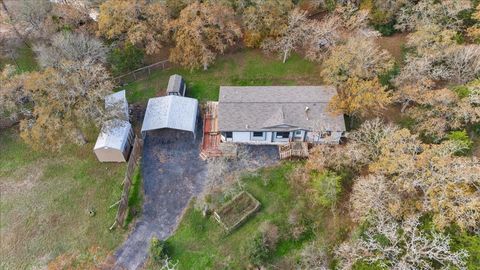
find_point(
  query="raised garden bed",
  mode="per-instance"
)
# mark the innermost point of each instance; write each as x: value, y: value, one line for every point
x: 236, y: 211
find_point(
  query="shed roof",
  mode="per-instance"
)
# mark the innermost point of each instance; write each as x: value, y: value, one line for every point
x: 174, y: 84
x: 116, y: 105
x: 114, y: 134
x: 175, y: 112
x: 277, y: 108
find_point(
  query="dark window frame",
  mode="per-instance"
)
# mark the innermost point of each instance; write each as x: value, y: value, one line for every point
x: 283, y: 135
x: 258, y: 134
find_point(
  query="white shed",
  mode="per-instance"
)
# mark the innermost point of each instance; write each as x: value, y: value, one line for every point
x: 116, y: 105
x: 114, y: 142
x: 174, y: 112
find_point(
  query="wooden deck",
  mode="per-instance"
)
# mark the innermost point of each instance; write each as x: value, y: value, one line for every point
x: 211, y: 135
x: 293, y: 149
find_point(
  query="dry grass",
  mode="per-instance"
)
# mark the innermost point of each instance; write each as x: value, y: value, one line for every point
x: 45, y: 200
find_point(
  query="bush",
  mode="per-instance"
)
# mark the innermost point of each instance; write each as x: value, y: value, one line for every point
x: 263, y: 244
x: 462, y: 138
x: 327, y: 186
x: 258, y: 250
x: 462, y: 91
x: 387, y: 77
x: 125, y: 58
x: 157, y: 250
x: 386, y: 29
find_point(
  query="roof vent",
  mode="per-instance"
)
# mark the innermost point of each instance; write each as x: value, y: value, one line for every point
x: 306, y: 111
x: 246, y: 126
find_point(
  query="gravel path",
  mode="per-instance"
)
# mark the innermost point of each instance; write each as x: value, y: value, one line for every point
x: 172, y: 173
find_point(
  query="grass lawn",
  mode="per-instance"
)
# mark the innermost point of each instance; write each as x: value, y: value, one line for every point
x: 45, y: 199
x: 248, y: 67
x: 201, y: 243
x: 24, y: 61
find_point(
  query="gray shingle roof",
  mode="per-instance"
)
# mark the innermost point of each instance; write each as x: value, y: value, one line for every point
x: 263, y: 108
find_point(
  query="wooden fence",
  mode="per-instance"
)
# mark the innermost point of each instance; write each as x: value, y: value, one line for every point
x: 127, y: 183
x: 141, y: 73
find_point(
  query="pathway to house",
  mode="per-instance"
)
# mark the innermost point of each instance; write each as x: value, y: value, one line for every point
x: 172, y: 173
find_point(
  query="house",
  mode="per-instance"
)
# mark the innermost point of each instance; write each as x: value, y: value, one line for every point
x: 278, y: 115
x: 114, y: 142
x: 176, y: 86
x: 172, y: 112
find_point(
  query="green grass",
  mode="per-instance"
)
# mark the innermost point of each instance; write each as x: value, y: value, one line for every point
x: 45, y: 200
x: 248, y: 67
x: 24, y: 60
x: 201, y: 243
x: 135, y: 198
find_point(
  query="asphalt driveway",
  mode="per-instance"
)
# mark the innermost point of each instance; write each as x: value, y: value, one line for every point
x: 172, y: 174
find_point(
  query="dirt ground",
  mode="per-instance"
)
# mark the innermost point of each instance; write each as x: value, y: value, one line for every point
x: 393, y: 44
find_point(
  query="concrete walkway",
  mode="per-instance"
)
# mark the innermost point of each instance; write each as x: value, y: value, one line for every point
x: 172, y: 173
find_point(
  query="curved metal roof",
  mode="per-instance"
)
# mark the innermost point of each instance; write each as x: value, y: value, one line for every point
x: 175, y: 112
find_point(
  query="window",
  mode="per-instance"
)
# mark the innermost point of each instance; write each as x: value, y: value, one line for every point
x: 228, y: 135
x: 298, y: 133
x: 282, y: 135
x: 258, y: 134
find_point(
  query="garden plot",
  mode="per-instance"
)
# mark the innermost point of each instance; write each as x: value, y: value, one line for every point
x: 237, y: 210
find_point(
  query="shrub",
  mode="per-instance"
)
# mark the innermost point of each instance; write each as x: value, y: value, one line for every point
x: 157, y: 250
x: 263, y: 244
x: 327, y: 186
x: 461, y: 137
x: 387, y: 77
x: 406, y: 122
x: 462, y: 91
x: 125, y: 58
x: 386, y: 29
x: 258, y: 250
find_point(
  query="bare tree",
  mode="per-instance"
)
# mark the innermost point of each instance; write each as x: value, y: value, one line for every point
x: 313, y: 257
x: 71, y: 47
x: 325, y: 34
x: 31, y: 15
x: 425, y: 12
x: 463, y: 63
x: 293, y: 37
x: 405, y: 247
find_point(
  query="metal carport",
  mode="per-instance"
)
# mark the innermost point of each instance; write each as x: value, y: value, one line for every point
x: 173, y: 112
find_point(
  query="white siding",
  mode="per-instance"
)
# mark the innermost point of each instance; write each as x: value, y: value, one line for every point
x: 334, y: 138
x: 241, y: 137
x: 247, y: 137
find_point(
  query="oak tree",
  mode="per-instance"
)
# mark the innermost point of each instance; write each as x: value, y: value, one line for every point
x: 202, y: 31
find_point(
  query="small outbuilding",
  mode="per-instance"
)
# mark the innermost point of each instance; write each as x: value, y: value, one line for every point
x: 176, y: 86
x: 114, y: 142
x: 173, y: 112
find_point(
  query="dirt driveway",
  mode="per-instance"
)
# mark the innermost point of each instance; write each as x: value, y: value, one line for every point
x: 172, y: 173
